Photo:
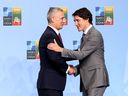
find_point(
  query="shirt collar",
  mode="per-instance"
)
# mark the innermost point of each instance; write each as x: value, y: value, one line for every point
x: 57, y: 32
x: 86, y: 31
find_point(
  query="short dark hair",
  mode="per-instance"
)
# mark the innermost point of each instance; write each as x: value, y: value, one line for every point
x: 83, y: 13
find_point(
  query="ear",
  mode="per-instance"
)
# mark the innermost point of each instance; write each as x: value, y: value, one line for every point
x: 52, y: 19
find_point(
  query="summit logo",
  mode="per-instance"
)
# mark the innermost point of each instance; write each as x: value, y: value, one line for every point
x: 104, y: 15
x: 12, y: 16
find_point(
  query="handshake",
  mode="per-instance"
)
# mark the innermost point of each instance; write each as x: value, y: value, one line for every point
x: 72, y: 70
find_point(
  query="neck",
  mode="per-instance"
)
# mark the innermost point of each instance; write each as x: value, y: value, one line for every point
x: 87, y: 25
x: 52, y: 25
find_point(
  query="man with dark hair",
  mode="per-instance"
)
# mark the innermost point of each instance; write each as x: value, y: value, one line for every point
x: 92, y: 69
x: 83, y: 13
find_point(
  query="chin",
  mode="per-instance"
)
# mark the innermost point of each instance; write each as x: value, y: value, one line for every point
x: 79, y: 30
x: 61, y: 27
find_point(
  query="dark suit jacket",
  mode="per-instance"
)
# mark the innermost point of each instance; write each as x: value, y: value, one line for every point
x: 52, y: 74
x: 93, y: 72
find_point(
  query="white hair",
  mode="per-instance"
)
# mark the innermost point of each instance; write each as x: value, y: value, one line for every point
x: 51, y: 13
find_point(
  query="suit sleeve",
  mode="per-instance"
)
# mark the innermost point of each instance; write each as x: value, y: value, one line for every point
x: 56, y: 59
x: 89, y: 47
x: 69, y: 59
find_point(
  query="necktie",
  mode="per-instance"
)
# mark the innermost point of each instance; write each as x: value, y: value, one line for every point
x: 82, y: 39
x: 60, y: 38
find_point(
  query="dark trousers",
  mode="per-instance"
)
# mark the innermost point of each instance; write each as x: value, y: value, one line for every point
x: 49, y: 92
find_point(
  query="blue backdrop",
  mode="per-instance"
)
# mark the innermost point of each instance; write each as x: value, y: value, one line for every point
x: 18, y: 75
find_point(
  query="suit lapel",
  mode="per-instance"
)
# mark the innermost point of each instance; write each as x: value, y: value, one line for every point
x: 56, y: 37
x: 86, y: 37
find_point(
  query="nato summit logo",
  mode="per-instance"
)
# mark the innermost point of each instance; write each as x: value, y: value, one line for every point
x: 76, y: 44
x: 32, y: 49
x: 104, y: 15
x: 12, y: 16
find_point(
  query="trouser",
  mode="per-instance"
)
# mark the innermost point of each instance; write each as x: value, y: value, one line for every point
x: 94, y: 92
x: 49, y: 92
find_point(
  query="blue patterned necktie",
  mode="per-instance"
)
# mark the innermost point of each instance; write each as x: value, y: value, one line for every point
x: 82, y: 39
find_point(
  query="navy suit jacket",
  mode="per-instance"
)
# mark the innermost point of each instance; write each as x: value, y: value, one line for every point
x: 52, y: 74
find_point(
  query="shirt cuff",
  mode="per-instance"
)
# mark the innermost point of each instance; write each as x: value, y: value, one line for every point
x: 68, y: 69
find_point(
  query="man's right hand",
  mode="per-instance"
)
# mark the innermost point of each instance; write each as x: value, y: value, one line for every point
x: 55, y: 47
x: 72, y: 70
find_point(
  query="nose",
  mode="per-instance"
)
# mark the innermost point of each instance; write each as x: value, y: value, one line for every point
x: 76, y: 23
x: 64, y: 21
